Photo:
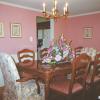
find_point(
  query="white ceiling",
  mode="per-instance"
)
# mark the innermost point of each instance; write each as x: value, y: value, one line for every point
x: 76, y: 7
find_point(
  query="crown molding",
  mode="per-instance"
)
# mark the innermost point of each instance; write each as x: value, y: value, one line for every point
x: 85, y: 14
x: 32, y: 9
x: 19, y: 6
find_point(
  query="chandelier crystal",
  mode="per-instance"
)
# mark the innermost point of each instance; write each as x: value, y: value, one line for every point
x: 55, y: 14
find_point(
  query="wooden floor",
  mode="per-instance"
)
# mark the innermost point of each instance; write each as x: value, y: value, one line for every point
x: 90, y: 95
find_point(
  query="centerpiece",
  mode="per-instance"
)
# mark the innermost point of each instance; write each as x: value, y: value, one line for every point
x: 59, y: 51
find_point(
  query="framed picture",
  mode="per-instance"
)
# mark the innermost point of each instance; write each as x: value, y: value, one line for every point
x: 15, y: 30
x: 1, y: 30
x: 88, y: 32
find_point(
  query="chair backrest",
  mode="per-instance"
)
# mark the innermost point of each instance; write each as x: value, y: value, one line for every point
x: 26, y: 55
x: 78, y: 50
x: 79, y: 70
x: 43, y: 52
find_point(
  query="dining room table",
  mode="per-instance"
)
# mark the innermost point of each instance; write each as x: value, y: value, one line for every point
x: 44, y: 73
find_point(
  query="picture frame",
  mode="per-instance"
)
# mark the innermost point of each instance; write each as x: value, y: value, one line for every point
x: 16, y: 30
x: 88, y: 32
x: 1, y: 30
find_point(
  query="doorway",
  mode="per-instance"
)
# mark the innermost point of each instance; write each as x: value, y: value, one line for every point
x: 45, y: 33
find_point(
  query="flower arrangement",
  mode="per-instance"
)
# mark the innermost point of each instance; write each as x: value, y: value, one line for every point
x: 59, y: 51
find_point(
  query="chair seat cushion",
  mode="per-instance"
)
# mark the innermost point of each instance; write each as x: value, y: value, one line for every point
x: 63, y: 86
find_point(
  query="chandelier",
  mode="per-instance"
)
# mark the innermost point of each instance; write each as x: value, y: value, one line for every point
x: 55, y: 14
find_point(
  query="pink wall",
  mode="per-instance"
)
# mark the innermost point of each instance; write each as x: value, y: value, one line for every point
x: 27, y: 19
x: 73, y: 29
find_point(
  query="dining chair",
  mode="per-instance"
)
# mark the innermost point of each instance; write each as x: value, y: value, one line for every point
x: 78, y: 51
x: 26, y: 57
x: 95, y: 72
x: 77, y: 83
x: 92, y: 53
x: 43, y: 52
x: 26, y: 62
x: 13, y: 90
x: 93, y: 78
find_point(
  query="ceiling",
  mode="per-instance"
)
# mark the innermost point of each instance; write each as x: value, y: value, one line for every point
x: 76, y: 7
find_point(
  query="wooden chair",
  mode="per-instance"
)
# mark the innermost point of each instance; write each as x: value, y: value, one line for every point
x: 25, y: 56
x: 26, y: 62
x: 43, y: 52
x: 77, y: 82
x: 78, y: 50
x: 94, y: 77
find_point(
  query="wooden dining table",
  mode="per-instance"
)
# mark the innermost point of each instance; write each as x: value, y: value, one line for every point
x: 46, y: 72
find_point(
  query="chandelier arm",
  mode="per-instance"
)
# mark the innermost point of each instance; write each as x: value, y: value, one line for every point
x: 55, y: 14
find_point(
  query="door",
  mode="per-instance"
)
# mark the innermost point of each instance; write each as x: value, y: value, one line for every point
x: 45, y: 33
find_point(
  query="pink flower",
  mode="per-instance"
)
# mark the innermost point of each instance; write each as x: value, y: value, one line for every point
x: 50, y: 49
x: 58, y: 58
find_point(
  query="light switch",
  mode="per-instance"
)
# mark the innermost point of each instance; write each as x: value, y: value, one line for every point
x: 31, y: 39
